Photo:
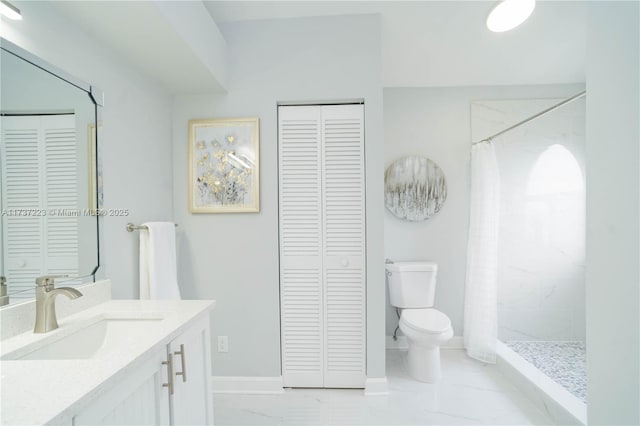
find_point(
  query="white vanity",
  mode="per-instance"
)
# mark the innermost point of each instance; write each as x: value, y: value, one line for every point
x: 125, y: 362
x: 142, y: 362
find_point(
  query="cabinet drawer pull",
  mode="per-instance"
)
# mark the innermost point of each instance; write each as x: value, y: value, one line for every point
x: 183, y: 360
x: 169, y: 364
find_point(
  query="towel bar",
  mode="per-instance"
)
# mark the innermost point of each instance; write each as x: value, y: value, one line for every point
x: 131, y: 227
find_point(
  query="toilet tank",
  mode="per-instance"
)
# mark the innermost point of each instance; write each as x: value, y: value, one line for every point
x: 412, y: 284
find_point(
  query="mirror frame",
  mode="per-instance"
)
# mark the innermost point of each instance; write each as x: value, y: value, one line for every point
x: 96, y: 96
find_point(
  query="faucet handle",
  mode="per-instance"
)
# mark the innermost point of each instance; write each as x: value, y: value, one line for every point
x: 48, y: 280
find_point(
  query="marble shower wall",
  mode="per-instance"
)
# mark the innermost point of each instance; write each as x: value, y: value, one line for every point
x: 541, y: 292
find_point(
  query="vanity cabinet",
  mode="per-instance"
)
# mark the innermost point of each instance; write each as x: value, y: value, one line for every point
x: 192, y: 399
x: 139, y: 399
x: 172, y: 387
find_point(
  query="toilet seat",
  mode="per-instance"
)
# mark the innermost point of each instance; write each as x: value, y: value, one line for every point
x: 429, y: 320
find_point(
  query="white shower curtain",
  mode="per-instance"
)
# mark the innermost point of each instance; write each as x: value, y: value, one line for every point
x: 480, y: 302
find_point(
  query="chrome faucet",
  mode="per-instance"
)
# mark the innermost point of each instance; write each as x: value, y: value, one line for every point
x: 46, y: 302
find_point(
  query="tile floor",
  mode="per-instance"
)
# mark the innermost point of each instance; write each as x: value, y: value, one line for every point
x: 470, y: 393
x: 564, y: 362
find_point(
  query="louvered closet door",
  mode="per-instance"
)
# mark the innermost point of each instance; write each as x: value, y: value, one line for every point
x: 302, y: 330
x: 344, y: 245
x: 23, y: 242
x: 322, y: 225
x: 39, y: 173
x: 61, y: 189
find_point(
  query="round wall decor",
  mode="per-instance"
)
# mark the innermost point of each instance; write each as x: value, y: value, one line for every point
x: 414, y: 188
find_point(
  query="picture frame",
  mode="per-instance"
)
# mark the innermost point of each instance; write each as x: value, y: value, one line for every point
x: 224, y: 172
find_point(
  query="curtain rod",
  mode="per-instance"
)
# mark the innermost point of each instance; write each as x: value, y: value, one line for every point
x: 533, y: 117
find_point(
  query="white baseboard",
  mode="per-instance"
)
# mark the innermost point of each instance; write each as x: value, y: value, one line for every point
x: 247, y: 384
x: 376, y: 387
x: 456, y: 342
x: 401, y: 344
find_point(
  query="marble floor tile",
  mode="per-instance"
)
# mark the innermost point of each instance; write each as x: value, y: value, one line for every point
x: 470, y: 393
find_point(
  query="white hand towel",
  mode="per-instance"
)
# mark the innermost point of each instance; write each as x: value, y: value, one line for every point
x: 158, y: 271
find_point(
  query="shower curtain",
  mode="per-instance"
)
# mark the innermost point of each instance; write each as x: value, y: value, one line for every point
x: 480, y: 304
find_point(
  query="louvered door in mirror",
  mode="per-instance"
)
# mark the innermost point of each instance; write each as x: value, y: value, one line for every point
x: 322, y: 245
x: 40, y: 183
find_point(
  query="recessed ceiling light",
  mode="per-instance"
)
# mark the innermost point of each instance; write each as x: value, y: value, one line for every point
x: 508, y: 14
x: 10, y: 11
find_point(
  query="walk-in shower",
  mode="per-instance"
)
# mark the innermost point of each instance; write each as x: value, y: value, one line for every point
x: 541, y: 242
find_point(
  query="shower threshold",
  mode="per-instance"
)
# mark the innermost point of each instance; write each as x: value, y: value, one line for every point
x: 565, y: 362
x: 550, y: 397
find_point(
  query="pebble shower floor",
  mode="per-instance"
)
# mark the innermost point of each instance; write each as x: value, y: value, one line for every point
x: 564, y: 362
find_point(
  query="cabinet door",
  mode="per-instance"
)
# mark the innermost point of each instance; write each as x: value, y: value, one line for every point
x: 140, y: 399
x: 192, y: 400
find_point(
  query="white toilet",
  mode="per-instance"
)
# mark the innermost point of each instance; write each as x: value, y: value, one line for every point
x: 412, y: 287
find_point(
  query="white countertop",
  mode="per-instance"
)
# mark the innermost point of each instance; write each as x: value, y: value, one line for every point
x: 51, y: 391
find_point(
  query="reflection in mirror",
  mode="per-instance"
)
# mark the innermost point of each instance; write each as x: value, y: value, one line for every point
x: 48, y: 152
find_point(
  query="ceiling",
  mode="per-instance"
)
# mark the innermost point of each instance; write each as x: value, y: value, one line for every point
x: 424, y: 43
x: 138, y: 31
x: 446, y: 43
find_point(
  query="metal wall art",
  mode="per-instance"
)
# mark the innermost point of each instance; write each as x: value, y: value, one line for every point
x: 414, y: 188
x: 223, y: 165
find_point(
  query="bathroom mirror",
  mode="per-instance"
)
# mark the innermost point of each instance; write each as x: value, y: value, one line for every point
x: 49, y: 183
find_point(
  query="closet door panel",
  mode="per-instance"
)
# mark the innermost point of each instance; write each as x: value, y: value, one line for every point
x: 61, y: 187
x: 322, y: 246
x: 302, y: 328
x: 344, y: 245
x: 301, y: 246
x: 343, y: 181
x: 345, y: 324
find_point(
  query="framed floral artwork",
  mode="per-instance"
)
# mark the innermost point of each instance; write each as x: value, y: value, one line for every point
x: 224, y: 165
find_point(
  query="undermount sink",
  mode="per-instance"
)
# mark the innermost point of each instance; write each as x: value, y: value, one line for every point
x: 92, y: 341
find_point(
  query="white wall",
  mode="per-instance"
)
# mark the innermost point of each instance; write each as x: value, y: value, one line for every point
x: 233, y: 258
x: 613, y: 213
x: 136, y: 128
x: 541, y: 244
x: 436, y: 123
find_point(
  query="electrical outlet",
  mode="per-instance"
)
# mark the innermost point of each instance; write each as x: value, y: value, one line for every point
x: 223, y: 344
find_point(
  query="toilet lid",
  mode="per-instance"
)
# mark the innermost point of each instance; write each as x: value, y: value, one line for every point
x: 426, y: 320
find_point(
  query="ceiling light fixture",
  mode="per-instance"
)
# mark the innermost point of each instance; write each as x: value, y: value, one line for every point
x: 10, y: 11
x: 508, y: 14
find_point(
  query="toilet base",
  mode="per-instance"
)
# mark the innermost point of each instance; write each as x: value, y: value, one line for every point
x: 424, y: 363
